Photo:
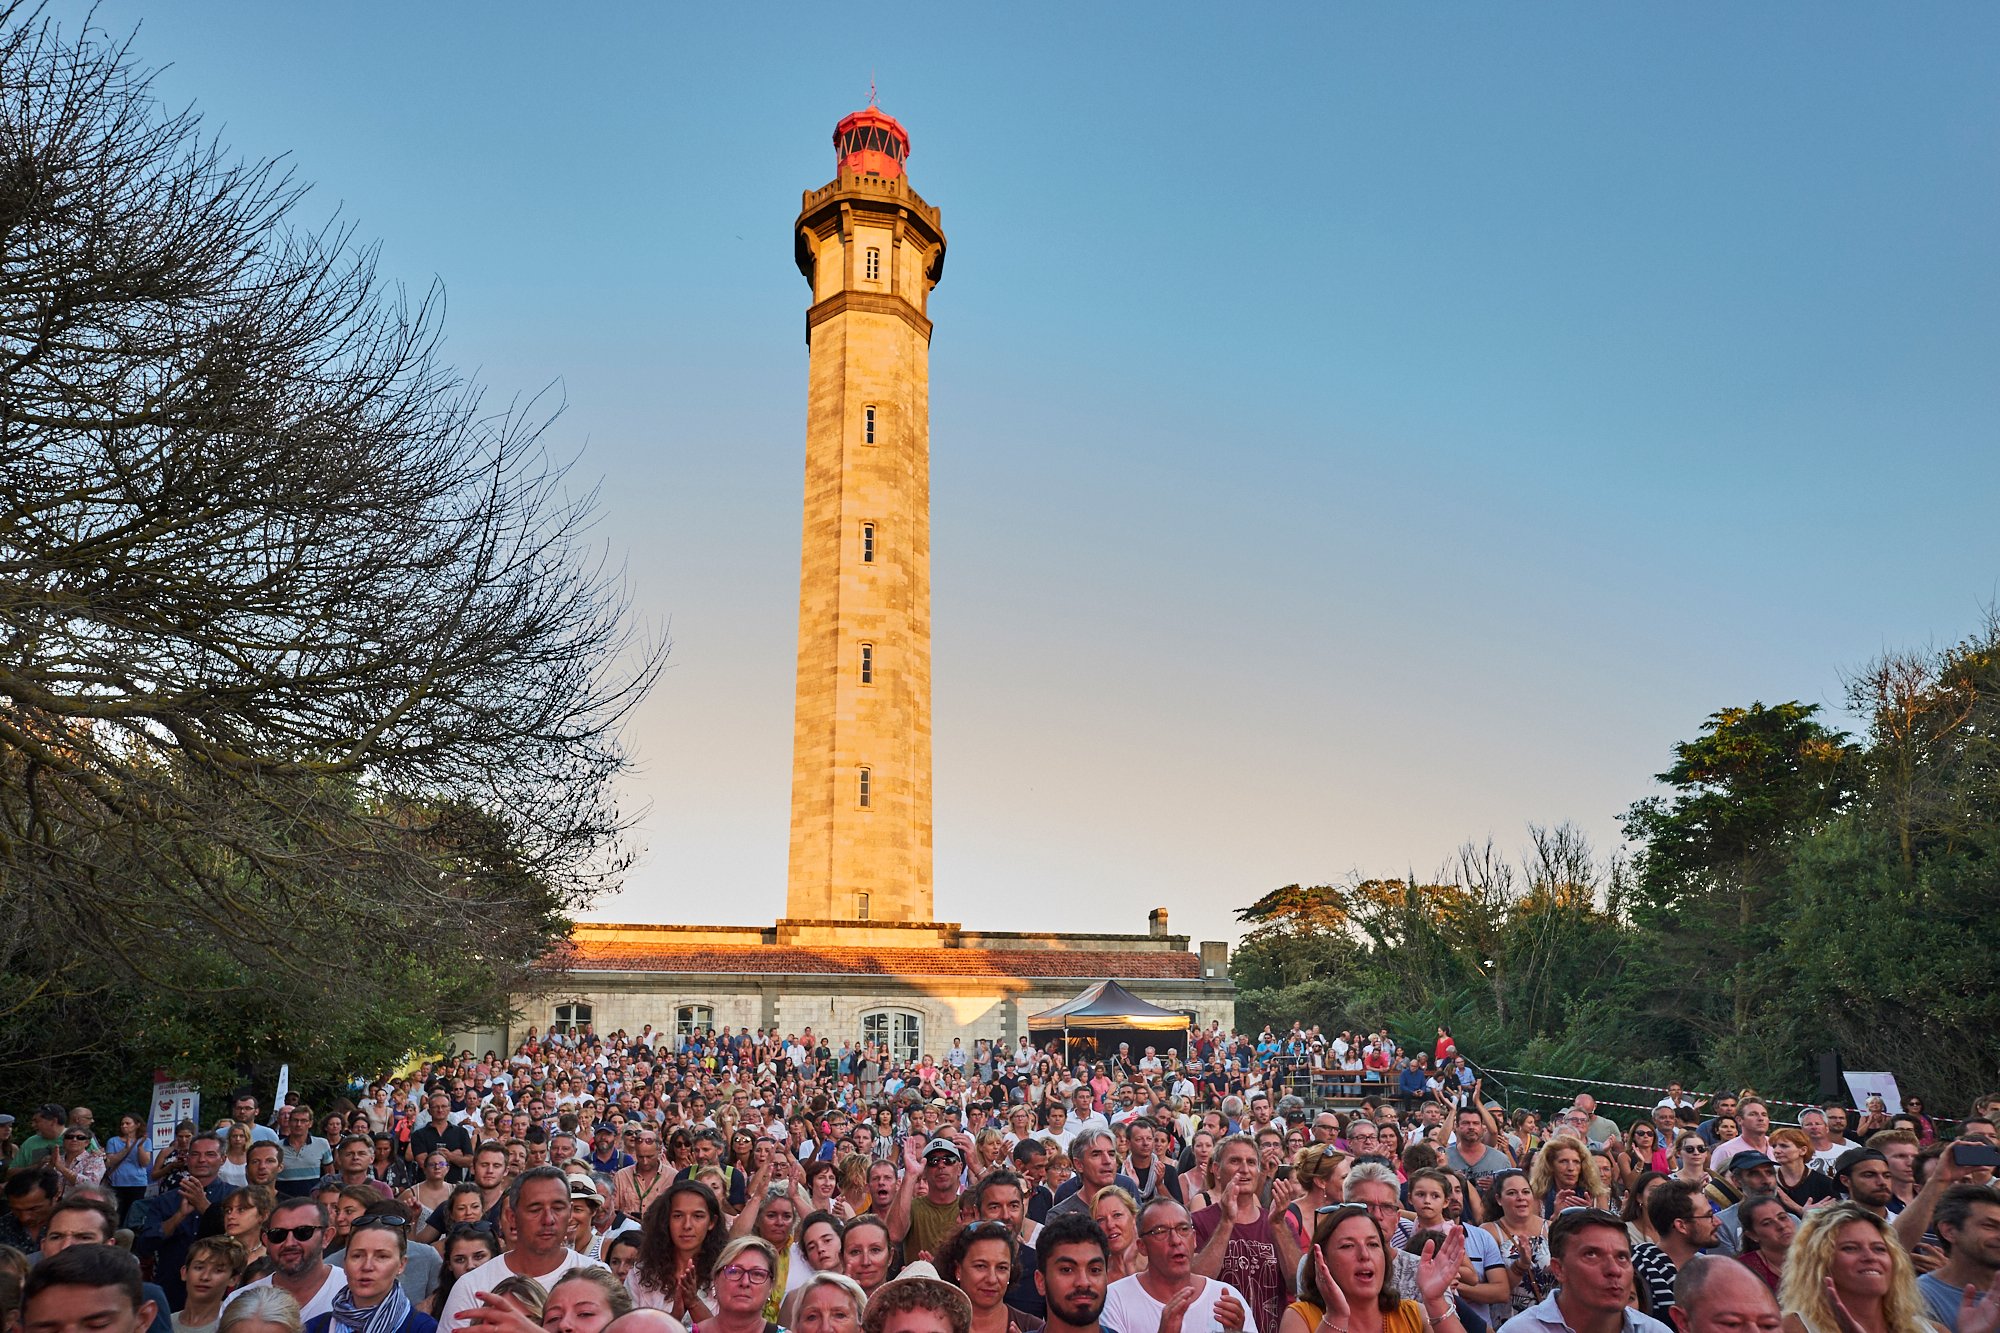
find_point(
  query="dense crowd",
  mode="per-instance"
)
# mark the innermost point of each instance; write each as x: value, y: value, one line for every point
x: 750, y: 1183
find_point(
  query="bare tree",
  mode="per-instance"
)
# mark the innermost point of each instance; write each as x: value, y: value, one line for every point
x: 299, y: 641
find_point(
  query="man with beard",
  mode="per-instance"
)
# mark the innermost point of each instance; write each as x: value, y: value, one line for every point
x: 1073, y: 1255
x: 1864, y: 1175
x: 295, y: 1240
x: 1169, y: 1282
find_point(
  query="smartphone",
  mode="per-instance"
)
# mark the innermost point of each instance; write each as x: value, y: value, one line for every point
x: 1971, y: 1152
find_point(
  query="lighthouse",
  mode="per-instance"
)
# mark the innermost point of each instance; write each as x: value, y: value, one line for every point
x: 871, y: 250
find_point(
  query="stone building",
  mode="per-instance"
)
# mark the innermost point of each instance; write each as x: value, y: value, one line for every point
x: 859, y: 954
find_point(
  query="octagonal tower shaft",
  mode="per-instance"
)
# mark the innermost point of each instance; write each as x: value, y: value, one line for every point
x: 872, y: 249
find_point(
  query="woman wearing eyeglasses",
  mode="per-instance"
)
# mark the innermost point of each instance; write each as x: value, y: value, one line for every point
x: 1347, y: 1286
x: 979, y: 1260
x: 374, y: 1302
x: 744, y: 1274
x: 433, y: 1189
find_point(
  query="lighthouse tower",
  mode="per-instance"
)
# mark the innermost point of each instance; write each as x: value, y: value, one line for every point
x: 872, y: 249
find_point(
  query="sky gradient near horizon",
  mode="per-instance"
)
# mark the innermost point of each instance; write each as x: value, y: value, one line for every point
x: 1355, y: 429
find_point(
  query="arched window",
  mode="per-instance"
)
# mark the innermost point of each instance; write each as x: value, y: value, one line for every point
x: 867, y: 664
x: 868, y: 422
x: 860, y: 907
x: 864, y: 787
x: 867, y: 543
x: 571, y: 1018
x: 873, y: 264
x: 898, y: 1030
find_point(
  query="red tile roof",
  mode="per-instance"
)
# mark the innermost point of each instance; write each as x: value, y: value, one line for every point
x: 607, y: 956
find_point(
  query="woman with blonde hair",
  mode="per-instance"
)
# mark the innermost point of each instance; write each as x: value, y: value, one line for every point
x: 1846, y: 1270
x: 1565, y: 1176
x: 584, y: 1300
x: 235, y: 1156
x: 1115, y: 1210
x: 1319, y: 1170
x: 852, y: 1172
x: 989, y: 1152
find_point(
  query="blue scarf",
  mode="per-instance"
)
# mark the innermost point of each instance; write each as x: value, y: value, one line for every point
x: 387, y: 1317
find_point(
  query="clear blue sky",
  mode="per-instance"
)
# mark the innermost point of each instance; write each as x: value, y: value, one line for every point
x: 1355, y: 428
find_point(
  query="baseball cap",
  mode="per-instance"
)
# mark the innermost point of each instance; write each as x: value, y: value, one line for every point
x: 1749, y: 1160
x: 942, y: 1145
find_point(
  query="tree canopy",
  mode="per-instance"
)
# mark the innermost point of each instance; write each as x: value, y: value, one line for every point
x: 1795, y: 890
x: 310, y: 683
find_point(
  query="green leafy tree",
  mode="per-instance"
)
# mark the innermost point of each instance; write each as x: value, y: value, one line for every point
x: 310, y: 683
x: 1713, y: 857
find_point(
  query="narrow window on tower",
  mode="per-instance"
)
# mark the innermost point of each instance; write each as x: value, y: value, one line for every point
x: 867, y: 664
x: 868, y: 425
x: 874, y: 264
x: 867, y: 543
x: 860, y: 907
x: 864, y: 789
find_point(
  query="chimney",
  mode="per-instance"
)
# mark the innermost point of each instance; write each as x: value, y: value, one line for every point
x: 1156, y: 922
x: 1215, y: 958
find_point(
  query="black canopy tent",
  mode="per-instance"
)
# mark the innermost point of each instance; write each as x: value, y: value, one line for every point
x: 1109, y: 1010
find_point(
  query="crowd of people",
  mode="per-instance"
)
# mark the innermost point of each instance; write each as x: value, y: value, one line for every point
x: 726, y: 1182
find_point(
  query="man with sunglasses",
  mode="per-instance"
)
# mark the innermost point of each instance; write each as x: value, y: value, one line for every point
x: 295, y: 1241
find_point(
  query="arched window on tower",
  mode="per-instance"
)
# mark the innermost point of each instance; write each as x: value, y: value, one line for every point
x: 868, y: 425
x: 872, y: 264
x: 867, y: 543
x: 860, y: 907
x: 867, y: 664
x: 864, y: 787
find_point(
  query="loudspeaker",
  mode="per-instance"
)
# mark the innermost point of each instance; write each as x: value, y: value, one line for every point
x: 1831, y: 1084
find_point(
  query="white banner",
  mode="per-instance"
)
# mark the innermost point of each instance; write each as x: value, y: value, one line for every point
x: 1864, y: 1085
x: 172, y: 1103
x: 284, y: 1086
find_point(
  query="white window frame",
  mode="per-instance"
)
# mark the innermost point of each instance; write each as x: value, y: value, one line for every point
x: 900, y: 1031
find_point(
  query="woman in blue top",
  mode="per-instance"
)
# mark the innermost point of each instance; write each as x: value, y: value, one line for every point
x: 127, y: 1158
x: 377, y: 1252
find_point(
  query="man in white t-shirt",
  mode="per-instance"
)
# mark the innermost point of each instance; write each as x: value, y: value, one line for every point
x: 1169, y: 1279
x: 539, y: 1202
x: 295, y: 1238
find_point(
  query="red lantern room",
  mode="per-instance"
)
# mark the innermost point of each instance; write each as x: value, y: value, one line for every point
x: 871, y: 143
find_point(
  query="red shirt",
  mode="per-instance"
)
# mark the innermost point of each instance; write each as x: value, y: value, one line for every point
x: 1756, y: 1264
